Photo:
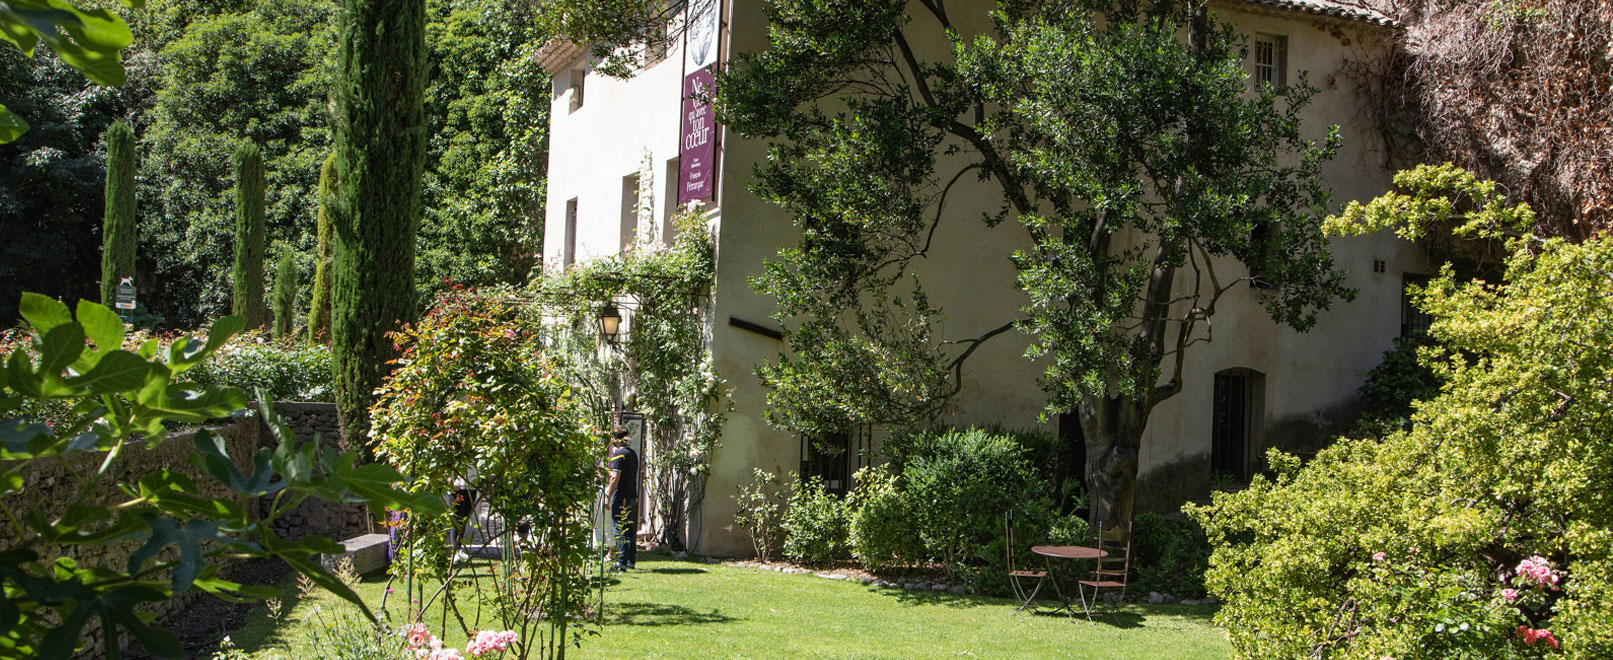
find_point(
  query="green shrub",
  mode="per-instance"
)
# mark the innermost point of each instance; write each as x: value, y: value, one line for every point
x: 760, y: 512
x: 884, y: 532
x: 1168, y: 556
x: 961, y: 484
x: 1068, y: 530
x: 287, y: 371
x: 1419, y: 545
x: 59, y: 573
x: 1398, y: 381
x: 816, y: 524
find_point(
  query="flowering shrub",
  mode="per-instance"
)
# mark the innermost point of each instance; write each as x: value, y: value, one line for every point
x: 475, y: 405
x: 665, y: 358
x: 1483, y: 531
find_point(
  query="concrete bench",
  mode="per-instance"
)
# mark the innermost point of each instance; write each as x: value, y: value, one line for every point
x: 367, y: 552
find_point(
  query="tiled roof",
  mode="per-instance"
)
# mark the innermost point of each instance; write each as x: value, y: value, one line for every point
x: 1355, y: 10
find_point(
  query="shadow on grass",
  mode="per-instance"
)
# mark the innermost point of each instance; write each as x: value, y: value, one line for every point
x: 676, y: 571
x: 1129, y: 615
x: 260, y: 632
x: 660, y: 614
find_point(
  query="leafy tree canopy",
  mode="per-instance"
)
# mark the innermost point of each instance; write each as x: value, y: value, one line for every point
x: 235, y: 70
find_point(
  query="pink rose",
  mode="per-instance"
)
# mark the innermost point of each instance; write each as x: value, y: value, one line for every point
x: 1378, y: 556
x: 1532, y: 635
x: 1509, y: 594
x: 419, y: 635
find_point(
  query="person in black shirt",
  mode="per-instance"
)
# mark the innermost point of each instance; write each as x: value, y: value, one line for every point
x: 623, y: 493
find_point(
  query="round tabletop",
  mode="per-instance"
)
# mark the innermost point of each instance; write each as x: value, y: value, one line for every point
x: 1068, y: 551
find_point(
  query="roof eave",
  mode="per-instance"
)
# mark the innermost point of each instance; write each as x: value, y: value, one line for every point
x: 558, y: 53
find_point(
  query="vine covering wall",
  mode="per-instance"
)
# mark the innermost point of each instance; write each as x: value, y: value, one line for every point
x: 662, y: 364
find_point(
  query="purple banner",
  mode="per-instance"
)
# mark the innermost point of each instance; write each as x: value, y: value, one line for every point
x: 697, y: 162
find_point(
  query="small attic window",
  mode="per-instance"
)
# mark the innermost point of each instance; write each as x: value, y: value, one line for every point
x: 1271, y: 60
x: 577, y: 88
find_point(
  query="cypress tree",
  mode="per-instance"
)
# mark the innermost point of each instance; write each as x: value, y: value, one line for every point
x: 117, y: 234
x: 248, y: 272
x: 319, y: 311
x: 379, y: 143
x: 285, y: 293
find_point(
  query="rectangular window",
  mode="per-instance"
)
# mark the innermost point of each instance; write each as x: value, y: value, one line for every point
x: 1264, y: 239
x: 568, y: 254
x: 1271, y: 60
x: 1238, y: 399
x: 629, y: 211
x: 669, y: 229
x: 827, y: 458
x: 577, y: 76
x: 1413, y: 321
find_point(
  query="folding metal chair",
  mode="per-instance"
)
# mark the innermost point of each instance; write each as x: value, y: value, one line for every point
x: 1017, y: 578
x: 1111, y: 570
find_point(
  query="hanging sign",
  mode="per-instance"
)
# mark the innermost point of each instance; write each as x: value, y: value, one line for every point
x: 697, y: 154
x: 697, y: 162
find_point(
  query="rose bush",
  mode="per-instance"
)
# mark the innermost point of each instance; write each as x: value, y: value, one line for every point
x: 476, y: 407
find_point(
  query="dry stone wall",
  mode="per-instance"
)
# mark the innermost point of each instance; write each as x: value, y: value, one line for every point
x: 335, y: 521
x: 50, y: 483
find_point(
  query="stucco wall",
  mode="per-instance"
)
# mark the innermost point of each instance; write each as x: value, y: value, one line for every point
x: 1310, y: 379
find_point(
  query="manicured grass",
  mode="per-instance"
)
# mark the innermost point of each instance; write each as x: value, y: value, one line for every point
x: 675, y: 609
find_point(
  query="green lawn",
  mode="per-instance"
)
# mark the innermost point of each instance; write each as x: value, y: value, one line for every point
x: 674, y: 609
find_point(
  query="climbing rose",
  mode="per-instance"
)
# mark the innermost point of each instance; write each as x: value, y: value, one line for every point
x: 1532, y: 635
x: 1509, y: 594
x: 1538, y: 570
x: 489, y: 640
x: 419, y: 636
x: 1378, y: 556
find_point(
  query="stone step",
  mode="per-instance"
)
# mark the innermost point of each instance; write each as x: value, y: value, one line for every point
x: 367, y: 552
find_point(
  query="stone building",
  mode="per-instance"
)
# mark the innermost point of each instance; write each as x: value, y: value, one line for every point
x: 1257, y: 384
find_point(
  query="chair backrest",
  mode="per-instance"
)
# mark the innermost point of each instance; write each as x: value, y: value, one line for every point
x: 1008, y: 534
x: 1116, y: 541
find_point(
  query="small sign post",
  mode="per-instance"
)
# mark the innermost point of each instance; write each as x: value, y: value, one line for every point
x: 125, y: 300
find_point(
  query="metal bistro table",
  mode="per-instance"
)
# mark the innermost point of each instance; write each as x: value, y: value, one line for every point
x: 1073, y: 552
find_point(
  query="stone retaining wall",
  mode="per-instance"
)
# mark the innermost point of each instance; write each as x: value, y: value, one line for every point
x: 50, y: 483
x: 317, y: 517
